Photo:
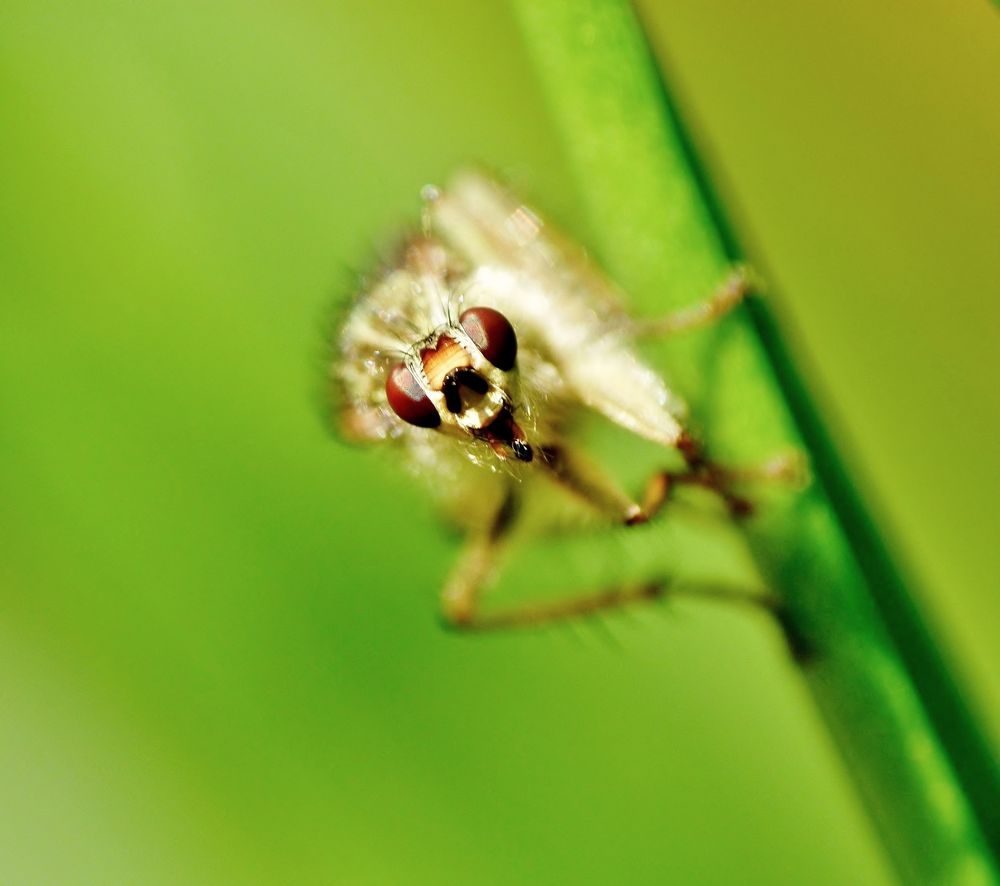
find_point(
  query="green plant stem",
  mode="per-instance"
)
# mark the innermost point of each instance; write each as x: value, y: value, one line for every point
x: 656, y: 231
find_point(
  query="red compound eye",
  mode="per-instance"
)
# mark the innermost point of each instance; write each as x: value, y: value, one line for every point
x: 492, y: 334
x: 408, y: 399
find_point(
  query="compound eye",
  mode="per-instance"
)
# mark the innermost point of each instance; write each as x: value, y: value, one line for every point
x: 408, y: 399
x: 492, y: 334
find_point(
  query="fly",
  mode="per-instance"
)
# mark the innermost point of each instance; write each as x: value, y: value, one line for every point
x: 472, y: 354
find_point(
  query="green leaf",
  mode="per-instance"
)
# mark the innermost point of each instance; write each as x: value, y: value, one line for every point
x: 916, y: 756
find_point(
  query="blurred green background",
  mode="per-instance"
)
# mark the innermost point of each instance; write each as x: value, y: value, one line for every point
x: 219, y: 654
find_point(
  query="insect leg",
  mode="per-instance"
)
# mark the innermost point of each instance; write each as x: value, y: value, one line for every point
x: 729, y: 294
x: 526, y: 615
x: 468, y: 616
x: 587, y: 481
x: 461, y: 596
x: 788, y: 468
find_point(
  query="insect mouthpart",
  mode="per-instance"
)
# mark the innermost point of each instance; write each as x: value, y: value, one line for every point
x: 503, y: 433
x: 484, y: 411
x: 463, y: 389
x: 473, y: 401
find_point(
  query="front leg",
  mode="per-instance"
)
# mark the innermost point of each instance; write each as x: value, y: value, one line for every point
x: 575, y: 473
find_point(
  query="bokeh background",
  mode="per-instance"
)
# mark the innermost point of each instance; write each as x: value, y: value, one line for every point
x: 219, y: 654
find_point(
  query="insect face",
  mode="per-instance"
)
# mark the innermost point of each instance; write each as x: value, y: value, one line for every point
x: 459, y: 380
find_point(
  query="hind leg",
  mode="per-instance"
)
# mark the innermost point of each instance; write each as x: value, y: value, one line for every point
x: 461, y: 597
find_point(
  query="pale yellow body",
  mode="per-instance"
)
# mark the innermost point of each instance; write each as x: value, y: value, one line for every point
x: 481, y: 248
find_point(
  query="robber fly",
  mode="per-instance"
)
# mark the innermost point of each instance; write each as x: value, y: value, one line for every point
x: 472, y: 353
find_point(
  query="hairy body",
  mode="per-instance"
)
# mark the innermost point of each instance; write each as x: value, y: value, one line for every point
x: 476, y: 349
